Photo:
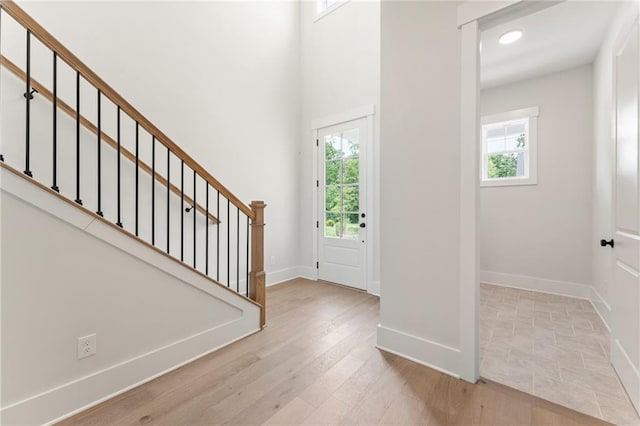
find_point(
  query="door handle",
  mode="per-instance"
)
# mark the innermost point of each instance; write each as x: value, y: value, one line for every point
x: 605, y: 243
x: 363, y: 225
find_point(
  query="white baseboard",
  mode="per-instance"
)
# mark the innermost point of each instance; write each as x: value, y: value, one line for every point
x: 374, y: 288
x: 562, y: 288
x: 72, y: 396
x: 63, y: 401
x: 543, y: 285
x: 282, y: 275
x: 426, y: 352
x: 627, y: 373
x: 308, y: 272
x: 602, y: 307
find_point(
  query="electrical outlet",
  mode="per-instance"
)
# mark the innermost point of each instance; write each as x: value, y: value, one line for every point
x: 273, y: 260
x: 87, y: 346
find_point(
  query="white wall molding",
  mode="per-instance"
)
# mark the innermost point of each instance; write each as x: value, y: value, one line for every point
x: 61, y: 402
x: 374, y: 288
x: 113, y: 373
x: 542, y: 285
x: 343, y: 117
x: 601, y: 306
x: 515, y: 114
x: 628, y: 374
x: 283, y: 275
x: 308, y: 272
x: 469, y: 203
x: 561, y: 288
x: 475, y: 10
x: 24, y: 190
x: 423, y: 351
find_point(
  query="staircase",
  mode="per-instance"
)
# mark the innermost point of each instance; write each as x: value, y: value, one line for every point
x: 83, y: 144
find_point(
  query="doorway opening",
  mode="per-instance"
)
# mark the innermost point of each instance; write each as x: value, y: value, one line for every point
x: 341, y: 200
x: 544, y: 326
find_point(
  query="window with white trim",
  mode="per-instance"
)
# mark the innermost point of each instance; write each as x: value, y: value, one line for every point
x: 509, y: 148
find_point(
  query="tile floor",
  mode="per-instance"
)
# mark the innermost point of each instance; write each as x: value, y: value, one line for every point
x: 554, y: 347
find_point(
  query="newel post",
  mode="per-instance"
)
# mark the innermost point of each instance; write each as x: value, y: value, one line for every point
x: 257, y: 277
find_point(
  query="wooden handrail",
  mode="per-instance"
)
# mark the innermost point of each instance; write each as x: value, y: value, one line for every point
x: 45, y: 93
x: 65, y: 54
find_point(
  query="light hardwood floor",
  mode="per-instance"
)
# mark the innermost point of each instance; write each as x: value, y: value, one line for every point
x: 316, y: 363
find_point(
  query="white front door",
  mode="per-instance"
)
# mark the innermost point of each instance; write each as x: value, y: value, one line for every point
x: 625, y: 289
x: 342, y: 220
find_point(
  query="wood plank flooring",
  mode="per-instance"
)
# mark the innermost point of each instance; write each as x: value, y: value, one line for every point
x: 316, y: 363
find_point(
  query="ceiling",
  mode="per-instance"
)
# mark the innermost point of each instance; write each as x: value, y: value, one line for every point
x: 560, y: 37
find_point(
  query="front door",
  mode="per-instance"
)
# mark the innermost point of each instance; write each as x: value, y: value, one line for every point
x: 625, y: 291
x: 341, y: 192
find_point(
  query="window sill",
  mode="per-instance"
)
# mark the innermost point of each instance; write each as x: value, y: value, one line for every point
x: 333, y: 8
x: 508, y: 182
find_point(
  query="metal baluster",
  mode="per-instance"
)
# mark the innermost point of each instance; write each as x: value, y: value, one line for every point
x: 28, y: 96
x: 137, y: 177
x: 1, y: 156
x: 99, y: 150
x: 195, y: 214
x: 119, y: 223
x: 168, y: 195
x: 247, y: 282
x: 153, y: 190
x: 228, y: 245
x: 238, y: 249
x: 218, y: 238
x: 54, y: 186
x: 206, y: 230
x: 78, y: 199
x: 181, y: 207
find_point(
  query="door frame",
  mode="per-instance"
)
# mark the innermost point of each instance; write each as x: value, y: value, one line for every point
x: 473, y: 17
x: 364, y: 112
x: 618, y: 44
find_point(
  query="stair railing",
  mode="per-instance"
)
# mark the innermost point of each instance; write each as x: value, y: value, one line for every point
x: 251, y: 283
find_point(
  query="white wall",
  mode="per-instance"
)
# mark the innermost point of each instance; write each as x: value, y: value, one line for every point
x: 603, y: 150
x: 420, y: 182
x: 220, y: 78
x: 340, y: 72
x: 542, y: 231
x: 66, y: 275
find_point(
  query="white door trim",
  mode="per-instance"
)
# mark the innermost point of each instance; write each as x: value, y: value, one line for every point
x: 473, y: 11
x: 472, y: 16
x: 343, y: 117
x: 469, y: 194
x: 625, y: 367
x: 367, y: 112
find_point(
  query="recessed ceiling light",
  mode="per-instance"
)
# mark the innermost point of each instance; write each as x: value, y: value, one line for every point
x: 510, y: 37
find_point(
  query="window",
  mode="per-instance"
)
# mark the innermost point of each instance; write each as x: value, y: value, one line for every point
x: 327, y: 6
x: 509, y: 151
x: 342, y: 184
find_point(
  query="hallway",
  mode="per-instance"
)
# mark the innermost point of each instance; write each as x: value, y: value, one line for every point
x: 316, y: 363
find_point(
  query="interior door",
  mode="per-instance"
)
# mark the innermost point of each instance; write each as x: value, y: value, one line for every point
x: 341, y: 192
x: 625, y: 291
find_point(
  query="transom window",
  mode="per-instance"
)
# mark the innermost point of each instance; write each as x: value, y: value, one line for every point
x: 509, y: 148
